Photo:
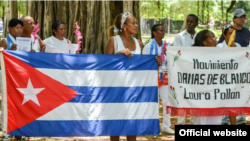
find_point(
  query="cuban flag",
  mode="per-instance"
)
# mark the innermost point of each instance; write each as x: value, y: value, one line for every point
x: 63, y: 95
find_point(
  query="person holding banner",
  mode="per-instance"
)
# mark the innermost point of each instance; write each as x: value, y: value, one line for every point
x: 206, y: 38
x: 15, y: 29
x: 242, y: 34
x: 242, y: 37
x: 227, y: 32
x: 186, y: 39
x: 123, y: 43
x: 155, y: 47
x: 57, y: 43
x: 9, y: 43
x: 37, y: 44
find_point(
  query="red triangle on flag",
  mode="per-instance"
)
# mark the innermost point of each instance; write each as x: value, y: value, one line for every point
x: 18, y: 74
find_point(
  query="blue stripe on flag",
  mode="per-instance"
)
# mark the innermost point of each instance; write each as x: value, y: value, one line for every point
x: 89, y: 128
x: 115, y: 94
x: 86, y: 61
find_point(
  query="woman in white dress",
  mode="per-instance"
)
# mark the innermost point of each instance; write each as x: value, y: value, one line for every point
x: 57, y: 42
x: 206, y: 38
x: 227, y: 31
x: 123, y: 43
x: 155, y: 47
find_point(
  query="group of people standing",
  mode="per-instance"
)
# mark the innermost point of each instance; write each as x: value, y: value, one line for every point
x: 24, y: 27
x: 121, y: 42
x: 206, y: 38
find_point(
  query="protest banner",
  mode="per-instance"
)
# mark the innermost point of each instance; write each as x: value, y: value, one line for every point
x: 208, y: 81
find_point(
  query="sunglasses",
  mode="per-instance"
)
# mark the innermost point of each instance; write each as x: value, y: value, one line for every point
x: 226, y: 27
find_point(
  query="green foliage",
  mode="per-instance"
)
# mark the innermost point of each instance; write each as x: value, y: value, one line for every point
x: 2, y: 6
x: 178, y: 9
x: 21, y: 7
x: 198, y: 29
x: 217, y: 33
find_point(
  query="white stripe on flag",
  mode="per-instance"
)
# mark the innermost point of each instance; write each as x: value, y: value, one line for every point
x: 103, y: 78
x: 103, y: 111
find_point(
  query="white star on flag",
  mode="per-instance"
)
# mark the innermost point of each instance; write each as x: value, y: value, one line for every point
x: 30, y: 93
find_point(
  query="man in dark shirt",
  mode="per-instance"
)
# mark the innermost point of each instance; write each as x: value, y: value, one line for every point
x: 242, y: 37
x: 242, y: 33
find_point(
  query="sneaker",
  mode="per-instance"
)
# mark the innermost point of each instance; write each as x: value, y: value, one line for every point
x: 168, y: 130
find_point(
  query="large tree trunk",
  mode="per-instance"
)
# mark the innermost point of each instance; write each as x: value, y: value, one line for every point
x: 128, y: 7
x: 136, y: 13
x: 11, y: 12
x: 3, y: 16
x: 145, y: 28
x: 48, y: 18
x: 31, y: 9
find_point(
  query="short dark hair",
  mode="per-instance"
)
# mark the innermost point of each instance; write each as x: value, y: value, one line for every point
x: 154, y: 28
x: 196, y: 17
x: 14, y: 22
x: 200, y: 37
x: 55, y: 25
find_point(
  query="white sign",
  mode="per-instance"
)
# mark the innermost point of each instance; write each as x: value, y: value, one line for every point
x: 69, y: 48
x: 23, y: 44
x: 208, y: 81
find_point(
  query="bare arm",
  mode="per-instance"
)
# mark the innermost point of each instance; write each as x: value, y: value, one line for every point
x: 109, y: 49
x: 3, y: 44
x: 141, y: 45
x: 42, y: 45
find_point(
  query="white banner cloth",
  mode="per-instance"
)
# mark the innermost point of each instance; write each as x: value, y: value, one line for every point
x: 208, y: 81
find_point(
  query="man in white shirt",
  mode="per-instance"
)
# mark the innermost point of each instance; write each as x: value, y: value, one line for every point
x: 186, y: 39
x: 37, y: 44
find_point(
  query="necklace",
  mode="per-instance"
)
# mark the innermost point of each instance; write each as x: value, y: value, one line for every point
x: 129, y: 42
